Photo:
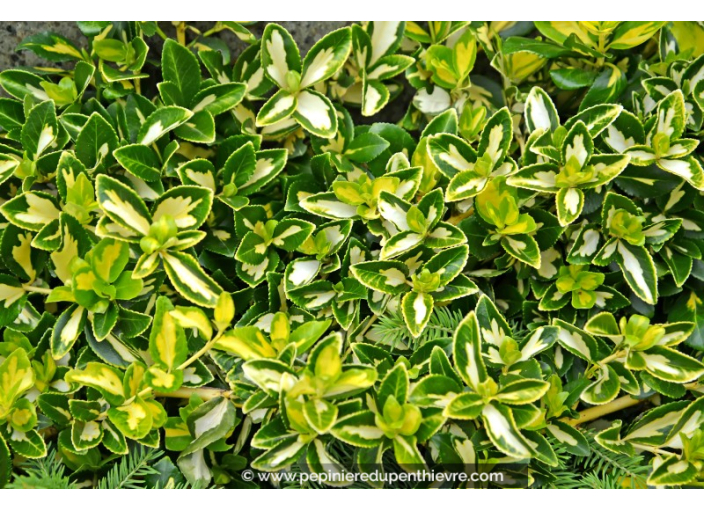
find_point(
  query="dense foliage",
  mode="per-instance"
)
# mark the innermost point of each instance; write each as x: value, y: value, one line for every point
x: 212, y: 264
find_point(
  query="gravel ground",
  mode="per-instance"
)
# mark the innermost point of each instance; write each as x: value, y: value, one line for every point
x: 12, y: 32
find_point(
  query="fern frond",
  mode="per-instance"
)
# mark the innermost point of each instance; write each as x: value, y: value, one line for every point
x: 394, y: 332
x: 601, y: 469
x: 129, y: 473
x: 44, y: 473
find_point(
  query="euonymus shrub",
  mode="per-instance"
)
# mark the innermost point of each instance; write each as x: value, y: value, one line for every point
x: 205, y: 255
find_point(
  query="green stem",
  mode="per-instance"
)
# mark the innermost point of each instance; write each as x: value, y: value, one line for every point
x: 455, y: 219
x: 202, y: 351
x: 594, y: 413
x: 160, y: 32
x: 604, y: 361
x: 181, y: 33
x: 39, y: 290
x: 601, y: 48
x: 205, y: 393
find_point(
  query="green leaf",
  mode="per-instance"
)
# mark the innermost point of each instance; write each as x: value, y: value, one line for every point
x: 358, y: 429
x: 604, y: 389
x: 467, y: 352
x: 320, y: 415
x: 180, y: 67
x: 316, y: 114
x: 122, y: 205
x: 666, y: 364
x: 523, y: 391
x: 139, y: 160
x: 267, y: 374
x: 673, y: 471
x: 95, y: 142
x: 434, y: 391
x: 200, y: 128
x: 416, y: 308
x: 167, y: 340
x: 189, y: 279
x: 689, y: 307
x: 68, y: 327
x: 607, y: 88
x: 32, y: 211
x: 326, y: 57
x: 570, y: 438
x: 501, y: 428
x: 572, y: 78
x: 576, y: 341
x: 269, y: 164
x: 389, y: 277
x: 279, y: 54
x: 51, y: 46
x: 16, y: 377
x: 134, y: 420
x: 540, y: 112
x: 280, y: 456
x: 219, y: 99
x: 160, y: 122
x: 395, y: 384
x: 366, y: 147
x: 210, y: 422
x: 246, y: 342
x: 407, y: 454
x: 638, y: 270
x: 40, y: 130
x: 104, y: 378
x: 523, y: 247
x: 629, y: 34
x: 188, y: 206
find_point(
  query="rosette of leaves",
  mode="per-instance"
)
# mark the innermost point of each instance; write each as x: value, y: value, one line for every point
x: 573, y: 167
x: 466, y: 390
x: 97, y: 282
x: 162, y: 234
x: 664, y: 145
x: 359, y: 197
x: 470, y: 171
x: 624, y: 239
x: 678, y: 75
x: 436, y: 280
x: 413, y: 225
x: 122, y: 404
x: 366, y: 80
x: 546, y: 134
x: 261, y: 236
x: 673, y: 432
x: 499, y: 222
x: 642, y: 346
x: 296, y: 97
x: 393, y: 422
x: 133, y: 410
x: 18, y: 415
x: 581, y: 288
x: 313, y: 398
x: 445, y: 56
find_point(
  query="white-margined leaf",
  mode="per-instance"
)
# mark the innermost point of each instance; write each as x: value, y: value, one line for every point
x: 467, y: 351
x: 389, y: 277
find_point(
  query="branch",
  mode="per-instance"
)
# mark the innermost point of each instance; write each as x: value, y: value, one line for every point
x: 205, y: 393
x: 596, y: 412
